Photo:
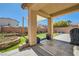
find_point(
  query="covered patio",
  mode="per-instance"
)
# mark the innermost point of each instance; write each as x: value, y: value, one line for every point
x: 49, y: 11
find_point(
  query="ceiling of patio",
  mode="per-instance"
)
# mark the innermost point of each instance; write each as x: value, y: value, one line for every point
x: 52, y: 9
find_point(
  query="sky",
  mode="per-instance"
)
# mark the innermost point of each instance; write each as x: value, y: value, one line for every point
x: 14, y: 11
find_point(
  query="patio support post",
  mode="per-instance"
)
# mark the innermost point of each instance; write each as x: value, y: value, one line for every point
x: 50, y: 27
x: 32, y: 27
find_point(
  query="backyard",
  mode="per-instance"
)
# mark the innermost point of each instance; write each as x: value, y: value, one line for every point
x: 22, y: 40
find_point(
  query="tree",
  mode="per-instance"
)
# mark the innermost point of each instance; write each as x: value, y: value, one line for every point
x: 69, y: 22
x: 61, y: 23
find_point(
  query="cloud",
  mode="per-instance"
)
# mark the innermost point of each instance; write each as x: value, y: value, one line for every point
x: 40, y: 18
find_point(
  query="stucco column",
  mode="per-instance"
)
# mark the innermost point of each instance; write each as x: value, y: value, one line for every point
x: 50, y: 27
x: 32, y: 27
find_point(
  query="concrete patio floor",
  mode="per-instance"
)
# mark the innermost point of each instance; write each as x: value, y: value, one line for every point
x: 66, y: 38
x: 57, y: 47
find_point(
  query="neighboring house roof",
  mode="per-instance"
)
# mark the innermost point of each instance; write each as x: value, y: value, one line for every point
x: 8, y: 22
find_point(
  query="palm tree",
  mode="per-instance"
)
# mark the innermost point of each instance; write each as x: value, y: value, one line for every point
x: 22, y: 24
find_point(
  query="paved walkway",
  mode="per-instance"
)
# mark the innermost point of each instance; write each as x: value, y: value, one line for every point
x: 63, y: 37
x: 16, y: 52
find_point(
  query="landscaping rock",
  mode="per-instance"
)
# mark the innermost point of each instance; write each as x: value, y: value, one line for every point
x: 10, y: 43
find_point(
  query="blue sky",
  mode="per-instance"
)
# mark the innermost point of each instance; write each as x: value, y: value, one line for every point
x: 16, y: 12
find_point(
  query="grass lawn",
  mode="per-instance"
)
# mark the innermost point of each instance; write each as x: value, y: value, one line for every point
x: 23, y: 40
x: 41, y: 35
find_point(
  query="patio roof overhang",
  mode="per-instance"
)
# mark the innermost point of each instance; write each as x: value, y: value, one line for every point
x: 52, y: 9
